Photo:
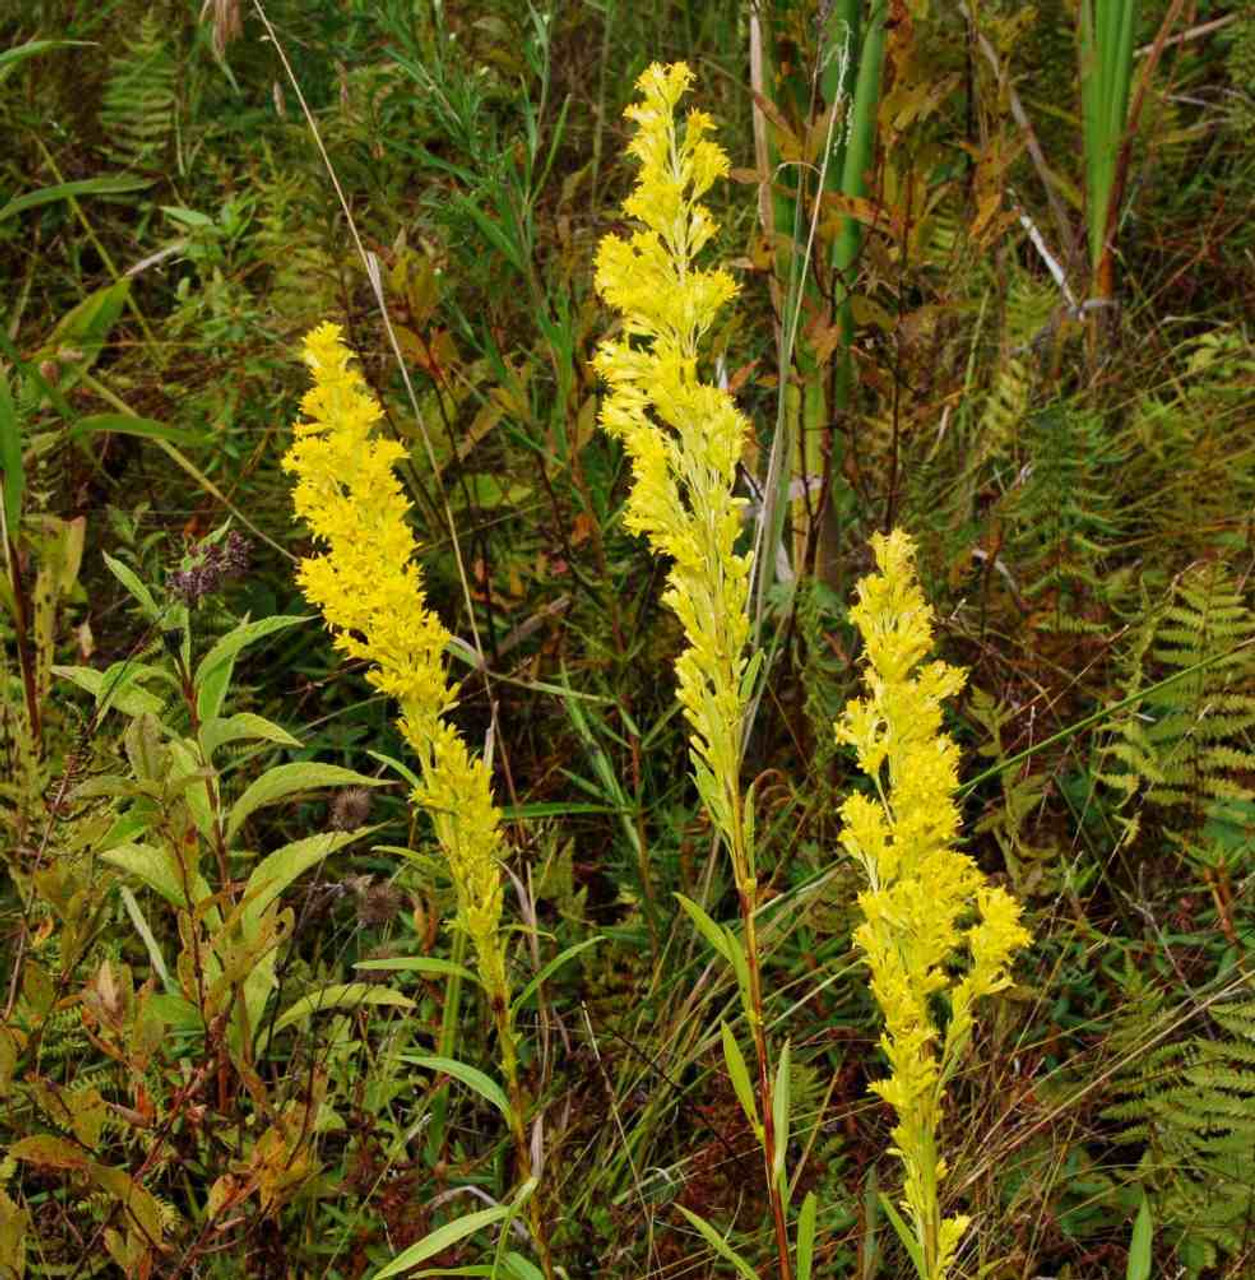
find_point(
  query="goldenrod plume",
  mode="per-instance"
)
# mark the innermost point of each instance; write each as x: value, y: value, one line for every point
x: 368, y: 586
x: 922, y: 890
x: 684, y: 437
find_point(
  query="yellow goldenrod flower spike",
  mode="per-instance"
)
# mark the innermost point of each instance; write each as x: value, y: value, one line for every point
x: 683, y: 437
x: 922, y: 890
x: 369, y: 589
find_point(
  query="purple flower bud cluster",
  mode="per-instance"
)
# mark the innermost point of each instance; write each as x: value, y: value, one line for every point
x: 208, y: 566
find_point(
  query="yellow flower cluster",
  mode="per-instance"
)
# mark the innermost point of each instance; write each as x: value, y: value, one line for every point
x: 924, y: 895
x: 369, y: 589
x: 683, y: 437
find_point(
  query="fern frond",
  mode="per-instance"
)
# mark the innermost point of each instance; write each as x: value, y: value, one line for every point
x: 1191, y: 1106
x: 139, y: 106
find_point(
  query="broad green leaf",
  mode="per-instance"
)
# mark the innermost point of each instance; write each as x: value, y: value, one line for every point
x: 189, y: 778
x: 54, y: 1153
x: 136, y: 1202
x: 706, y: 926
x: 277, y: 870
x: 719, y: 1244
x: 740, y: 1076
x: 780, y: 1096
x: 110, y: 185
x: 116, y: 687
x: 158, y: 871
x: 472, y: 1077
x: 441, y: 1239
x: 178, y: 1013
x: 84, y: 330
x: 417, y: 964
x: 806, y: 1236
x: 287, y: 779
x: 134, y: 584
x: 518, y: 1267
x: 213, y: 675
x: 549, y: 970
x: 243, y: 727
x: 341, y: 995
x: 1138, y: 1267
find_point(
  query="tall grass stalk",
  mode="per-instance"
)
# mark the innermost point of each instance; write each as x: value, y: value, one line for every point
x: 840, y: 150
x: 1106, y: 28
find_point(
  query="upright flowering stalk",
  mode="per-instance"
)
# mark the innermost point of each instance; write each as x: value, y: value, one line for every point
x: 927, y: 905
x: 370, y: 592
x: 684, y: 438
x: 369, y: 589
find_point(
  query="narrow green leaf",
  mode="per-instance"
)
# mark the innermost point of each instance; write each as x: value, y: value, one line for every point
x: 442, y: 1238
x: 906, y: 1236
x: 187, y: 217
x: 110, y: 185
x: 719, y: 1244
x: 549, y: 970
x: 806, y: 1236
x: 341, y: 995
x: 517, y: 1202
x: 494, y: 234
x: 151, y: 945
x: 780, y: 1097
x: 10, y: 58
x: 869, y: 1246
x: 11, y: 464
x: 417, y: 964
x: 1140, y: 1246
x: 472, y: 1077
x: 397, y: 767
x: 287, y: 779
x: 706, y: 926
x: 740, y: 1076
x: 125, y: 424
x: 740, y: 966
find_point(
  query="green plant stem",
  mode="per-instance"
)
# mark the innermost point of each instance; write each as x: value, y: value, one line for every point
x: 447, y: 1046
x: 518, y: 1109
x: 747, y: 888
x: 860, y: 153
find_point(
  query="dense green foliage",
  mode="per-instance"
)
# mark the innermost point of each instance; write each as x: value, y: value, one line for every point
x: 236, y: 1036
